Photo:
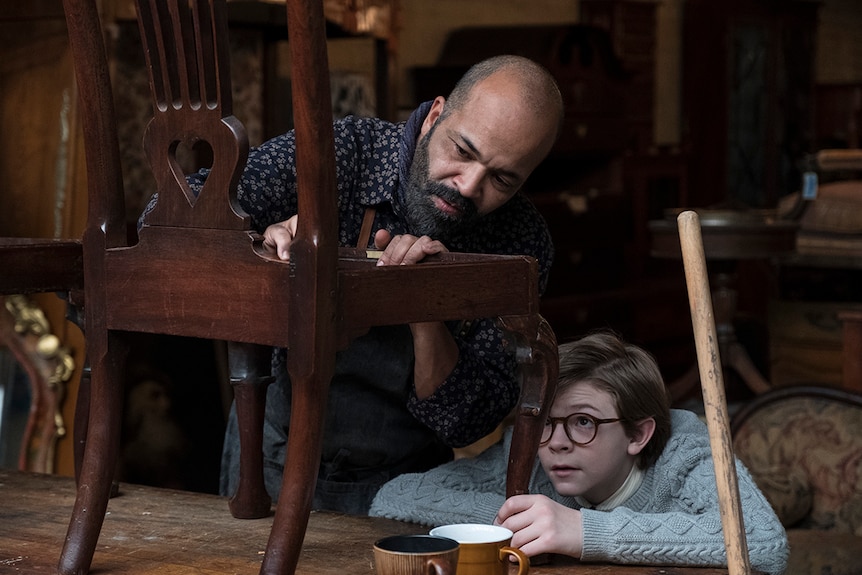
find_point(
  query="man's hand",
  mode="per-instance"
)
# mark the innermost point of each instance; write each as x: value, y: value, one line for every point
x: 405, y: 249
x: 435, y: 352
x: 541, y: 525
x: 277, y: 238
x: 402, y: 249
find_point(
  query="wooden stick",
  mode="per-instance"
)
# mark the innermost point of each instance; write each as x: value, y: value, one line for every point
x: 712, y: 386
x: 839, y: 159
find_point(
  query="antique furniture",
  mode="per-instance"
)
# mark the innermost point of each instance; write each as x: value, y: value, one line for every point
x: 803, y: 447
x: 197, y: 269
x: 34, y: 370
x: 816, y: 324
x: 728, y: 237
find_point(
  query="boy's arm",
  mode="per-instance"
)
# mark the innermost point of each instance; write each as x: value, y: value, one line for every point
x: 692, y: 533
x: 468, y: 490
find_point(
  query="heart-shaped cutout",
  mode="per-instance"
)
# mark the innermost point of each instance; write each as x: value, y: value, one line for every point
x: 188, y: 158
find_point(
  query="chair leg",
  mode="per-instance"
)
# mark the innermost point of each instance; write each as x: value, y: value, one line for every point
x: 250, y: 375
x: 535, y: 348
x: 75, y: 314
x: 107, y: 352
x: 301, y: 466
x: 82, y: 418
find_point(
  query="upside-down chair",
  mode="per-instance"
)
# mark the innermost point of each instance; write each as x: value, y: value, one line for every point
x: 198, y: 270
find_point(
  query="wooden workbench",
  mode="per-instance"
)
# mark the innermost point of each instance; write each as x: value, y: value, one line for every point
x: 149, y: 531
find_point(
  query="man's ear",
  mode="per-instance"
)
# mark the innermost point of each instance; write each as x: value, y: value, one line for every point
x: 642, y: 434
x: 433, y: 115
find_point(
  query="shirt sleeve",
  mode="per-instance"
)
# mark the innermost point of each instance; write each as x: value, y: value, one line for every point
x: 484, y: 387
x: 267, y: 190
x: 479, y: 393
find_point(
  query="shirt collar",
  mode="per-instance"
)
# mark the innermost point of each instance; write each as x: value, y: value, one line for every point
x: 407, y: 147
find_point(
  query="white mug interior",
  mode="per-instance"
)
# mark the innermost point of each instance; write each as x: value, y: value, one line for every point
x: 473, y: 533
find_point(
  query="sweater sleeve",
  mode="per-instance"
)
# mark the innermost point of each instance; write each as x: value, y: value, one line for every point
x: 688, y: 531
x: 469, y: 490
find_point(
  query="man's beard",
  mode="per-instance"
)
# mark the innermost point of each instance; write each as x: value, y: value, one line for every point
x: 425, y: 219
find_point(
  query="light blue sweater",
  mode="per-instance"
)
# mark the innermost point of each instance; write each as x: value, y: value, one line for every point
x: 672, y: 519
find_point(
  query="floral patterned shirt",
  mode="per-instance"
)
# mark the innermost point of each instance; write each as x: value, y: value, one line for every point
x: 372, y: 158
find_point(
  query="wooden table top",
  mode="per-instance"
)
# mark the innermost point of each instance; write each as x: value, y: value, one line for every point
x: 150, y: 531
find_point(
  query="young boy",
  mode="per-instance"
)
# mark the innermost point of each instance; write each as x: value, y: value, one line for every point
x: 623, y: 478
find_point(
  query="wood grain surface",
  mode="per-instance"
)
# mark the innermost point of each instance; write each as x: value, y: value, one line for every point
x: 150, y: 531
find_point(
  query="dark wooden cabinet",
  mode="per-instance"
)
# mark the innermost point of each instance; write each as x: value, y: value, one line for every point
x: 632, y: 28
x: 748, y: 81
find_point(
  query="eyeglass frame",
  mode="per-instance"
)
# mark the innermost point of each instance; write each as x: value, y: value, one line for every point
x: 596, y: 420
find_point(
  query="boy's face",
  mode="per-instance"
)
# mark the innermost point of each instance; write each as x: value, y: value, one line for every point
x: 596, y: 470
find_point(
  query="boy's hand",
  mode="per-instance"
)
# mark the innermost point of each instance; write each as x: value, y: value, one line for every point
x: 541, y: 525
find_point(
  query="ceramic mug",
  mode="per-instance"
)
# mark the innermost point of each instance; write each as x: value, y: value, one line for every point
x: 485, y: 549
x: 415, y: 555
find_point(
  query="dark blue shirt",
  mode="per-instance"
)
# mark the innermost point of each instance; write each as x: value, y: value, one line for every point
x: 372, y: 160
x: 372, y: 157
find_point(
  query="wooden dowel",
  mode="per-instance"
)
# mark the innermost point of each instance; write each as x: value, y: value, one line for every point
x: 850, y: 159
x: 712, y: 386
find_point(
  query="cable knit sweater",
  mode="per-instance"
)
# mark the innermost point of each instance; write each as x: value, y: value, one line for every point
x: 672, y: 519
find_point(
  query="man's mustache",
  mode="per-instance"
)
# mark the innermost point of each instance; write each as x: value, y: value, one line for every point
x: 453, y: 197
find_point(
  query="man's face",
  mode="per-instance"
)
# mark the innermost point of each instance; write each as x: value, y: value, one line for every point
x: 474, y: 159
x: 433, y: 208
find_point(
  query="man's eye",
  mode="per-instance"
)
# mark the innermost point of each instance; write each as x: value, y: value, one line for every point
x: 502, y: 183
x: 461, y: 151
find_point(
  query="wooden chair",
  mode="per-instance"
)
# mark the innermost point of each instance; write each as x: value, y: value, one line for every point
x: 197, y: 269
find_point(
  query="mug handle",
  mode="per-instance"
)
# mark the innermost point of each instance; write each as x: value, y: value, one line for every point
x: 439, y: 567
x: 523, y: 560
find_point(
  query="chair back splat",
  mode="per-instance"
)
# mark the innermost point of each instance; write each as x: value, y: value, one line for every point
x: 199, y: 270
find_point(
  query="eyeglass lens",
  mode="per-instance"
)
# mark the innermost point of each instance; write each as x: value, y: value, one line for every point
x: 580, y: 428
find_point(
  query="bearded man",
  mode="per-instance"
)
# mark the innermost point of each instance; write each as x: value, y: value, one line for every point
x: 446, y: 179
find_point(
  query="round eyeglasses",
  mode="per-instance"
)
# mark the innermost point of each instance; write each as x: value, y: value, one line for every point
x: 581, y: 428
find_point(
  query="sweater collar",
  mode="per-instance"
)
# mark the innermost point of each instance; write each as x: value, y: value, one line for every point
x: 626, y: 490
